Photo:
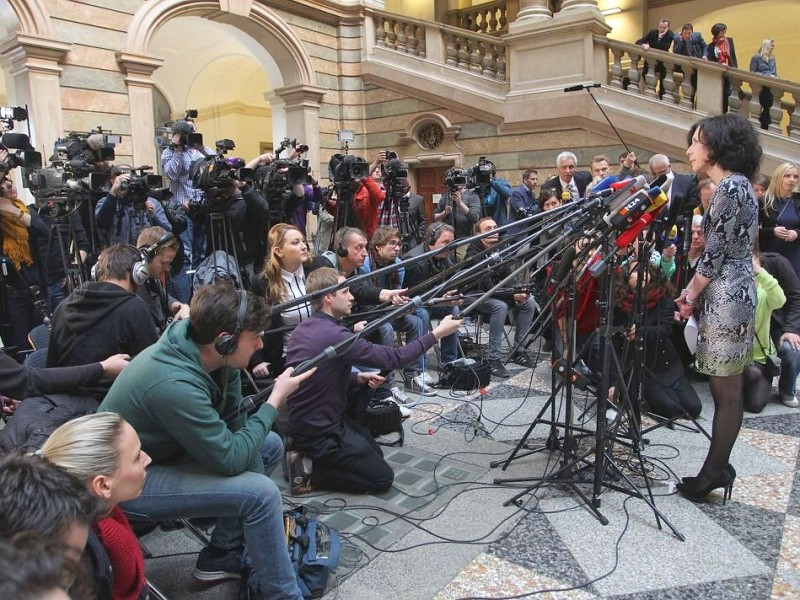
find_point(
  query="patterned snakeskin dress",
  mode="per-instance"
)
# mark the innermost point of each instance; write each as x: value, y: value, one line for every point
x: 727, y: 305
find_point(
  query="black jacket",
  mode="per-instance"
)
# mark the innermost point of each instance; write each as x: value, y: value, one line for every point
x: 425, y: 270
x: 17, y: 381
x: 34, y: 274
x: 97, y: 320
x: 582, y: 179
x: 493, y: 274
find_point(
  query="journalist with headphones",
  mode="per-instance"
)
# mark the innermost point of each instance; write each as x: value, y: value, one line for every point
x: 103, y: 317
x: 159, y: 249
x: 203, y: 466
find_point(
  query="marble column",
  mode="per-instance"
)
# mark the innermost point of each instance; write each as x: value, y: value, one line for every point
x: 577, y: 4
x: 138, y: 70
x: 33, y: 63
x: 532, y: 10
x: 301, y: 108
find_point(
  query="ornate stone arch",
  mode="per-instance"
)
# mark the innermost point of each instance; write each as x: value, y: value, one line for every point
x: 248, y: 16
x: 299, y: 92
x: 33, y: 16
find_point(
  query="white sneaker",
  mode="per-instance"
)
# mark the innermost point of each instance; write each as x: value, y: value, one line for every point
x: 401, y: 397
x: 404, y: 412
x: 790, y: 401
x: 417, y: 385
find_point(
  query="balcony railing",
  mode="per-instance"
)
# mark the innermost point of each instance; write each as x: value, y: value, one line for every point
x: 473, y: 52
x: 491, y: 18
x: 689, y: 82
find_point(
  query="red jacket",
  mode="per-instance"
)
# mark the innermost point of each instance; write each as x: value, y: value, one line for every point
x: 366, y: 202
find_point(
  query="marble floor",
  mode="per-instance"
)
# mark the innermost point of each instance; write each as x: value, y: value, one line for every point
x: 447, y: 531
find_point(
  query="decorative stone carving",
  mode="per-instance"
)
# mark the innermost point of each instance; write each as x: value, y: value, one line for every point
x: 430, y: 136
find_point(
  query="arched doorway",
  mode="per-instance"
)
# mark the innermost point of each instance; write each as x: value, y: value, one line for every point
x: 254, y: 38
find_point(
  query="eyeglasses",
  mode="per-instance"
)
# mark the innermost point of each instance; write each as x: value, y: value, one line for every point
x: 392, y: 244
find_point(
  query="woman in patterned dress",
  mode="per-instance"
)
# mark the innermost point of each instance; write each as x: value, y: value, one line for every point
x: 724, y: 148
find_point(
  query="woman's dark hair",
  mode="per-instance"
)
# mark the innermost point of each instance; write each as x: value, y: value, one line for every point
x: 544, y: 196
x: 718, y: 28
x: 215, y: 309
x: 732, y: 143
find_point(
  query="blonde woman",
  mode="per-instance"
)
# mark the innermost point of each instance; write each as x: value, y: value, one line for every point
x: 104, y: 452
x: 763, y: 63
x: 780, y: 215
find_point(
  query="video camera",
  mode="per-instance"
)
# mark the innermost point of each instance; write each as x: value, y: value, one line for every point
x: 214, y: 175
x: 348, y: 168
x: 20, y: 151
x: 393, y: 169
x: 455, y: 178
x: 481, y: 174
x: 78, y: 153
x: 189, y: 138
x: 286, y: 143
x: 140, y: 186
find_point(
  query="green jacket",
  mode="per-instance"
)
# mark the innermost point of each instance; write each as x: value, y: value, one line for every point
x: 175, y: 406
x: 770, y: 297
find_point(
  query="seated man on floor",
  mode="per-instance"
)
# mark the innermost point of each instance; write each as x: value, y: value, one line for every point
x: 183, y: 397
x: 324, y: 410
x: 497, y: 306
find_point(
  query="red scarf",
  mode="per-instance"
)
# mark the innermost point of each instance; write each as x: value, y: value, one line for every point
x: 723, y: 51
x: 122, y: 546
x: 654, y: 296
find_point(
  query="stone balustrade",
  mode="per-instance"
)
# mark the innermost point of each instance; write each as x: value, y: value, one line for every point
x: 473, y: 52
x: 697, y: 84
x: 490, y: 18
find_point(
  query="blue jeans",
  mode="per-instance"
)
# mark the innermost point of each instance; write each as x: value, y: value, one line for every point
x: 414, y: 326
x: 248, y: 507
x: 790, y: 369
x: 497, y: 310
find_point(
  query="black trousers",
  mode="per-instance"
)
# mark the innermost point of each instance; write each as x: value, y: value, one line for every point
x: 349, y: 460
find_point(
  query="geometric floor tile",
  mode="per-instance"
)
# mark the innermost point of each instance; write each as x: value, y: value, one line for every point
x: 789, y: 561
x: 782, y: 448
x: 491, y: 577
x: 770, y: 492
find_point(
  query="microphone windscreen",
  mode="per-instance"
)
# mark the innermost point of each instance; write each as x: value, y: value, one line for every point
x: 96, y: 141
x: 182, y: 127
x: 17, y: 141
x: 566, y: 196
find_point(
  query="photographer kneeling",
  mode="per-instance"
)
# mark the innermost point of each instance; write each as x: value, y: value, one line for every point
x: 122, y: 214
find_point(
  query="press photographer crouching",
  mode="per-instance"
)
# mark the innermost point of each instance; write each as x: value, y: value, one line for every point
x: 21, y: 233
x: 128, y: 207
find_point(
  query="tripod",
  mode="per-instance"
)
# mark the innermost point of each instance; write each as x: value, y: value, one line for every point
x: 71, y: 262
x: 605, y: 435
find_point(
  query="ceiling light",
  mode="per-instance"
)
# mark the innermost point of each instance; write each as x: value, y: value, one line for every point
x: 614, y: 10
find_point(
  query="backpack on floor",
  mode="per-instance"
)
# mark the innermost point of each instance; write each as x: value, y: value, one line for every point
x: 314, y: 549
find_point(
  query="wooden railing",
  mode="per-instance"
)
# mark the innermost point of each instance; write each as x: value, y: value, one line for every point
x: 689, y: 82
x: 473, y: 52
x: 491, y: 18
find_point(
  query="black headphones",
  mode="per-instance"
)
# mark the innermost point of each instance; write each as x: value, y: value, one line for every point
x: 434, y: 231
x: 341, y: 235
x: 226, y: 343
x: 139, y: 271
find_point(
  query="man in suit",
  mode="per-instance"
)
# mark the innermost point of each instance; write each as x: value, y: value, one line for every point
x: 721, y: 50
x: 690, y: 43
x: 682, y: 192
x: 523, y: 198
x: 569, y: 184
x: 658, y: 39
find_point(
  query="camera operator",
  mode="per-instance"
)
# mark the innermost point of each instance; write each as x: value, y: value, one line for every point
x: 493, y: 191
x: 295, y: 201
x: 123, y: 217
x: 21, y: 234
x: 458, y: 207
x: 176, y: 164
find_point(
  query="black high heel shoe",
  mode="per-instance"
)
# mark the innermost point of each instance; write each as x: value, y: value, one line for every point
x: 696, y: 489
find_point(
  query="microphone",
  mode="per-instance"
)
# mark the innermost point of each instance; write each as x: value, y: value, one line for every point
x: 561, y: 270
x: 636, y: 206
x: 619, y: 200
x: 627, y: 237
x: 582, y: 86
x: 604, y: 184
x: 17, y: 141
x: 566, y: 196
x: 96, y: 141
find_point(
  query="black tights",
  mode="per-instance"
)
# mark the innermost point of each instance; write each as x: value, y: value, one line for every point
x: 728, y: 412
